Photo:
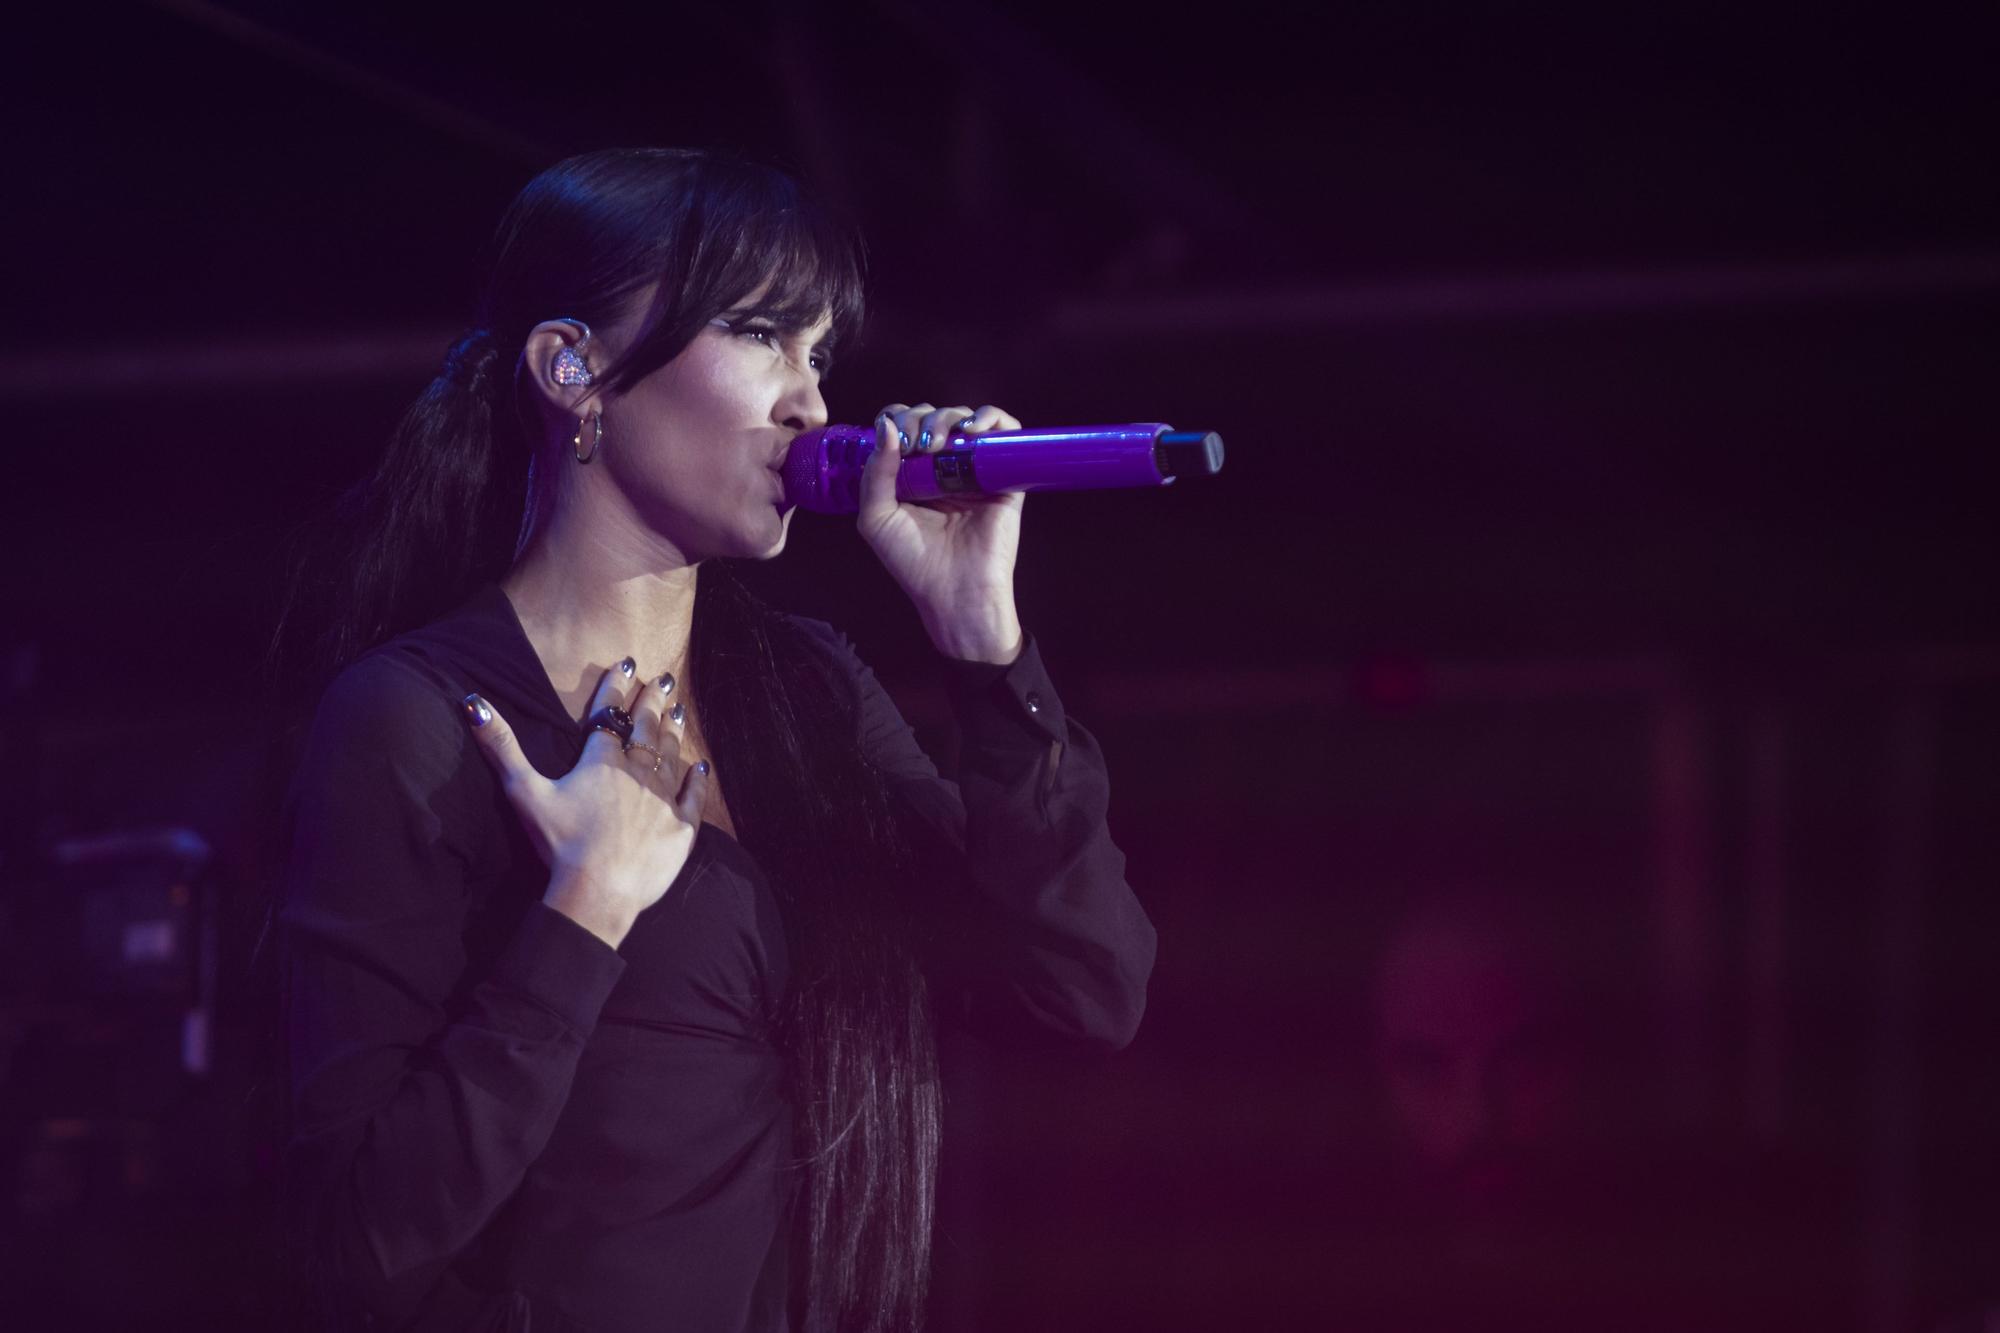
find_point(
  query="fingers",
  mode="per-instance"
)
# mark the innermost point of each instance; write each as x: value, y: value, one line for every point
x: 924, y: 429
x: 496, y: 741
x: 987, y: 418
x: 892, y: 424
x: 938, y: 426
x: 649, y: 710
x: 693, y: 793
x: 951, y: 421
x: 656, y: 730
x: 878, y: 477
x: 934, y: 428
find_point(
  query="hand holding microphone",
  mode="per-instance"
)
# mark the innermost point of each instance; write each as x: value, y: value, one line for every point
x: 954, y: 558
x: 938, y: 493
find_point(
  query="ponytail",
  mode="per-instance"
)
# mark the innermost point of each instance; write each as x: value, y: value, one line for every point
x: 439, y: 516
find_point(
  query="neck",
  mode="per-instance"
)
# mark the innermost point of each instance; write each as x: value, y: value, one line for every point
x: 591, y: 593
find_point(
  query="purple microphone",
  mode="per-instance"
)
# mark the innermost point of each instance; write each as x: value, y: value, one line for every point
x: 823, y: 470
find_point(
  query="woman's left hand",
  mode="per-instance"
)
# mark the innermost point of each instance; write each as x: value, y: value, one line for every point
x: 954, y: 556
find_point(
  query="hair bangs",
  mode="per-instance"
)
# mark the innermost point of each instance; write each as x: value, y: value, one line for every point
x: 752, y: 242
x: 795, y: 265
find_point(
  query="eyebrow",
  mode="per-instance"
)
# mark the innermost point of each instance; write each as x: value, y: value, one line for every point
x: 826, y: 348
x: 787, y: 321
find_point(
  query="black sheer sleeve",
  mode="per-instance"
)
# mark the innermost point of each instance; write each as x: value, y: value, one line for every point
x: 1036, y: 919
x: 423, y: 1081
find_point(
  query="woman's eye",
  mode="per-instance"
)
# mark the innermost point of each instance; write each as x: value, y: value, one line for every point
x: 774, y: 338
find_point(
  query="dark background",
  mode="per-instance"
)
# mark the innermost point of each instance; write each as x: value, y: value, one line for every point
x: 1608, y: 393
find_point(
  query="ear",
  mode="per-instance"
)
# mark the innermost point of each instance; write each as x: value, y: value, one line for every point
x: 539, y: 366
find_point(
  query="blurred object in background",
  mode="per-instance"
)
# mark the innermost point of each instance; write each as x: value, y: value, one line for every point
x: 113, y: 985
x: 1523, y: 1188
x: 134, y: 1168
x: 1481, y: 1052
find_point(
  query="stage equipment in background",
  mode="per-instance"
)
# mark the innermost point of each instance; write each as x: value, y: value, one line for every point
x: 133, y: 916
x: 822, y: 473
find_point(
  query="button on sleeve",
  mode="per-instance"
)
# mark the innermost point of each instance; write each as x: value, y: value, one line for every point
x: 1008, y: 706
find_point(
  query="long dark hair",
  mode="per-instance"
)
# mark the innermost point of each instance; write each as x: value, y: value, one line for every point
x: 444, y: 513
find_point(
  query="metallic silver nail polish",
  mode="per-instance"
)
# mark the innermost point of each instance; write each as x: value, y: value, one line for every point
x: 666, y: 682
x: 924, y: 440
x: 701, y: 767
x: 627, y: 667
x: 676, y: 713
x: 476, y: 710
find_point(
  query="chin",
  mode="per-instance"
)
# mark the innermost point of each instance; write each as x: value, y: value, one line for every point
x: 771, y: 547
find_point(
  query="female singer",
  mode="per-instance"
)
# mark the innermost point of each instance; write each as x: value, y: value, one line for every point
x: 619, y: 906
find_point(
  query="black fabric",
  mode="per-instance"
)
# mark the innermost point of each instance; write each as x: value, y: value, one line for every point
x: 499, y: 1121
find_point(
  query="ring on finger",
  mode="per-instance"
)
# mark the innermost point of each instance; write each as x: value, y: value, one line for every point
x: 659, y: 758
x: 615, y: 721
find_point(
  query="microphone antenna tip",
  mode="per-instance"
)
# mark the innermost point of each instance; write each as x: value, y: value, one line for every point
x: 1188, y: 453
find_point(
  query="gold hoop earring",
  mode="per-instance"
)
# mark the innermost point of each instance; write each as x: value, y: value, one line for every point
x: 596, y: 421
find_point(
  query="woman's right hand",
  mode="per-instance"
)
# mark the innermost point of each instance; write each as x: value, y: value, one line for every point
x: 617, y: 828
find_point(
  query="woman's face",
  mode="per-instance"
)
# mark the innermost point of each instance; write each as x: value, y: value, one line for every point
x: 697, y: 446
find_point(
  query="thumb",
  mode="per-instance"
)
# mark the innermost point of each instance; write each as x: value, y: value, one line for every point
x: 496, y: 741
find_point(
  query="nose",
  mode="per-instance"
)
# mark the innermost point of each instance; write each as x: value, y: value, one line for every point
x: 802, y: 407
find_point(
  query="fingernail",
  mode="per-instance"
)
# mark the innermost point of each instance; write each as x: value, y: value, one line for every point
x: 476, y: 711
x: 676, y: 713
x: 666, y: 682
x: 627, y: 667
x: 701, y: 767
x: 924, y: 440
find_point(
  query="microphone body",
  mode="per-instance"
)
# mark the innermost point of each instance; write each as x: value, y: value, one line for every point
x: 822, y: 473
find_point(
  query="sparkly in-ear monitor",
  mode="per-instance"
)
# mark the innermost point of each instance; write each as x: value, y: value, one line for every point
x: 569, y: 367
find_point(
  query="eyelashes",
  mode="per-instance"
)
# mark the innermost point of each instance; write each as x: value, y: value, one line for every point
x: 770, y: 335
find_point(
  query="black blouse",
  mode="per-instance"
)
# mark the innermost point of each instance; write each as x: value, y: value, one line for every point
x: 497, y: 1117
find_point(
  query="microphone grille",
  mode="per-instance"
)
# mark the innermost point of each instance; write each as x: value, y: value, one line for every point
x: 801, y: 472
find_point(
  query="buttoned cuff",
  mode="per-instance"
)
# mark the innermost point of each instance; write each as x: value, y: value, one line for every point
x: 1011, y: 705
x: 560, y: 966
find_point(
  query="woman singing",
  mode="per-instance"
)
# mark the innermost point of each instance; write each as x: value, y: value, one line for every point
x: 620, y: 907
